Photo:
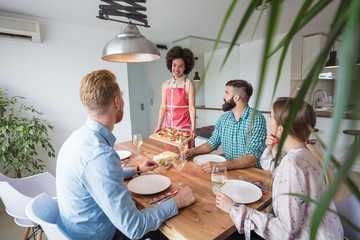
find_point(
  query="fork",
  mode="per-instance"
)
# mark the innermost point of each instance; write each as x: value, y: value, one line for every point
x: 262, y: 188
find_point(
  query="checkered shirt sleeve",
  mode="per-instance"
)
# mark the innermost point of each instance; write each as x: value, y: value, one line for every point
x: 240, y: 138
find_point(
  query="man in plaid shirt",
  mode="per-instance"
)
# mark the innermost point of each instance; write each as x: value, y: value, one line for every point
x: 241, y: 130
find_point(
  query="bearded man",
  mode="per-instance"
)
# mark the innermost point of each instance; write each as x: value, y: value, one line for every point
x: 241, y: 130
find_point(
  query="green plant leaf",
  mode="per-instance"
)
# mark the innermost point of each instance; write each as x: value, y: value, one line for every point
x: 249, y: 11
x: 226, y: 19
x: 287, y: 42
x: 344, y: 27
x: 306, y: 198
x: 346, y: 60
x: 19, y: 134
x: 318, y: 7
x: 271, y: 29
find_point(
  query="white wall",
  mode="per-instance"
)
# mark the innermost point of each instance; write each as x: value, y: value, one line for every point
x: 158, y: 73
x: 245, y: 66
x: 215, y: 83
x: 48, y: 75
x: 250, y: 69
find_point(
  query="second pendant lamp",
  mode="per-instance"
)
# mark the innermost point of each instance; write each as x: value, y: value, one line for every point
x: 196, y: 76
x: 332, y: 62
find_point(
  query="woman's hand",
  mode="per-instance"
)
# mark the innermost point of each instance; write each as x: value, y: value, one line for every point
x: 272, y: 142
x: 148, y: 165
x: 157, y: 129
x: 193, y: 134
x: 224, y: 202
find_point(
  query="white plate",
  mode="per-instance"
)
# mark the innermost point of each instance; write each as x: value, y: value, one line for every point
x: 241, y: 191
x: 149, y: 184
x: 207, y: 158
x: 123, y: 154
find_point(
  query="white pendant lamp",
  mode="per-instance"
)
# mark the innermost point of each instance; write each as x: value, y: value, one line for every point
x: 130, y: 46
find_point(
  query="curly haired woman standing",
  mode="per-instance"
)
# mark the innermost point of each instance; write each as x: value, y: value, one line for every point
x: 178, y: 93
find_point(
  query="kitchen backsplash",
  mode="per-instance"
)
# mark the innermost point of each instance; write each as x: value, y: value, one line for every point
x: 322, y: 84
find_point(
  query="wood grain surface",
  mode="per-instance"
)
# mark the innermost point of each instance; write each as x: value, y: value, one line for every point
x: 198, y: 221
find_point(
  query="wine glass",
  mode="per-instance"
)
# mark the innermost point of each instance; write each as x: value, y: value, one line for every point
x: 182, y: 145
x: 137, y: 140
x: 218, y: 178
x: 179, y: 163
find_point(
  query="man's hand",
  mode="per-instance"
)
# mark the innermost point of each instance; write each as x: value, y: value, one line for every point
x: 148, y: 165
x: 208, y: 166
x: 157, y: 129
x: 188, y: 153
x: 184, y: 198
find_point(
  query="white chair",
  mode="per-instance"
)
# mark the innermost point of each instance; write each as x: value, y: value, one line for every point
x: 17, y: 192
x: 350, y: 208
x: 44, y: 210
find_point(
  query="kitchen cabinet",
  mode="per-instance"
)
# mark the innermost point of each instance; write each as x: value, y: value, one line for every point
x: 312, y: 46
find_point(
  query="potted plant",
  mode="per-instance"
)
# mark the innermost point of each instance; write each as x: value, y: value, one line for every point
x: 23, y: 134
x: 344, y: 25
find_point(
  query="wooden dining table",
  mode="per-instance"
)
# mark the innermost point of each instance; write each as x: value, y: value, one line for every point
x: 199, y: 220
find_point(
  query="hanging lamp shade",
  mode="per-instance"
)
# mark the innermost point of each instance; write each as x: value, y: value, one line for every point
x: 196, y: 77
x: 332, y: 62
x: 130, y: 46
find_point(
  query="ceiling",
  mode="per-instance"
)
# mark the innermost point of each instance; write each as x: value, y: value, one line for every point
x: 171, y: 19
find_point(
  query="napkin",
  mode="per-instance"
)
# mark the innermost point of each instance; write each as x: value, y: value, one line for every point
x: 161, y: 197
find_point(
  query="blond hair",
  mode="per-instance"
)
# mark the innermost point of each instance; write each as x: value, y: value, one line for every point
x: 97, y: 90
x: 304, y: 116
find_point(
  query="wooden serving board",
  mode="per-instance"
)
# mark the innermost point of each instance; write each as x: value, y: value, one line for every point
x: 156, y: 137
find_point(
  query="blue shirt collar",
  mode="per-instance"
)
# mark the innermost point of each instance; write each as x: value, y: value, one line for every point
x: 102, y: 130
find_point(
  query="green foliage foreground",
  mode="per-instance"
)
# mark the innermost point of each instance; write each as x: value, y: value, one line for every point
x: 344, y: 26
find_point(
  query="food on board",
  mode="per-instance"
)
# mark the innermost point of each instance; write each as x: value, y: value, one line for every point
x: 173, y: 134
x: 164, y: 159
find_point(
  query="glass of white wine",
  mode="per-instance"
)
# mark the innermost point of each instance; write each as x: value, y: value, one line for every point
x: 138, y: 140
x: 218, y: 178
x: 182, y: 145
x: 179, y: 163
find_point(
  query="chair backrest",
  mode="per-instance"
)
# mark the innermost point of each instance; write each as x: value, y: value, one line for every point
x: 14, y: 201
x: 350, y: 208
x: 33, y: 185
x: 44, y: 211
x: 17, y: 192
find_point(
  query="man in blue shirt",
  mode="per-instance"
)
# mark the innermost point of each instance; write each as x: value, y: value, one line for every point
x: 241, y: 130
x: 93, y: 199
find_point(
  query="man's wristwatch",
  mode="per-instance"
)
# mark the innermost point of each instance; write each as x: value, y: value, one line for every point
x: 138, y: 170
